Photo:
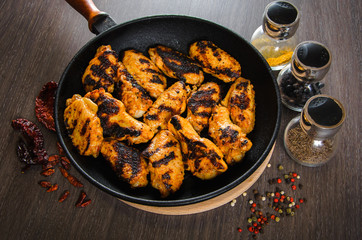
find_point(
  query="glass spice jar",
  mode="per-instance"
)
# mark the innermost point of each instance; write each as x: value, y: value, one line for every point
x: 300, y: 79
x: 311, y: 139
x: 274, y: 39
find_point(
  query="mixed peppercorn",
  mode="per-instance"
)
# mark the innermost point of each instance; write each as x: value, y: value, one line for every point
x: 273, y: 205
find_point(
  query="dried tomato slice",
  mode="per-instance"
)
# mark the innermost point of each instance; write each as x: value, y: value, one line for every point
x: 44, y: 105
x: 34, y: 138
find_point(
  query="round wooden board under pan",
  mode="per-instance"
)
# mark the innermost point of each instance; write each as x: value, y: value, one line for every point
x: 211, y: 203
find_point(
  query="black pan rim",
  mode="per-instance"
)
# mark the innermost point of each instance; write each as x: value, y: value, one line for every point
x: 181, y: 202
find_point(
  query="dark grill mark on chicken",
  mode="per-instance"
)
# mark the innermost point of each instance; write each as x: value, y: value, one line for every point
x: 129, y: 78
x: 176, y: 123
x: 178, y: 62
x: 84, y: 128
x: 166, y: 108
x: 241, y: 100
x: 228, y: 132
x: 201, y: 99
x: 164, y: 161
x: 170, y: 144
x: 166, y: 176
x: 142, y: 60
x: 156, y: 79
x: 88, y: 144
x: 151, y: 117
x: 107, y: 106
x: 127, y: 155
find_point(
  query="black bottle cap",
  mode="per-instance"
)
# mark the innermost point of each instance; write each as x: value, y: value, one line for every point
x: 313, y: 55
x: 282, y: 13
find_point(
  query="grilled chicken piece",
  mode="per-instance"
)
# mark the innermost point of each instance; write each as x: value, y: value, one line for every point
x: 126, y: 162
x: 240, y: 100
x: 165, y: 163
x: 203, y: 158
x: 102, y: 70
x: 215, y: 61
x: 134, y: 97
x: 145, y: 72
x: 176, y: 65
x: 171, y: 102
x: 200, y: 104
x: 83, y: 125
x: 227, y: 136
x: 116, y: 122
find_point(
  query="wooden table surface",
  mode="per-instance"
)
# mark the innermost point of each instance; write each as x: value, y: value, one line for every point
x: 39, y: 38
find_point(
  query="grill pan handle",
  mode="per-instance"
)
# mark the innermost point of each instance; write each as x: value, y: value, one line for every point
x: 98, y: 21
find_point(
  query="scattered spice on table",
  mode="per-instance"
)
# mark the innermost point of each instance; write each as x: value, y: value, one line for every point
x: 274, y: 205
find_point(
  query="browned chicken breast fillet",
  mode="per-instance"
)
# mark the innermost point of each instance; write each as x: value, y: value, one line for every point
x: 116, y: 122
x: 165, y: 163
x: 126, y: 162
x: 176, y: 65
x: 200, y: 104
x: 171, y: 102
x: 133, y: 96
x: 227, y: 136
x: 83, y: 125
x: 240, y: 100
x: 102, y: 70
x: 215, y: 61
x: 145, y: 72
x: 203, y: 158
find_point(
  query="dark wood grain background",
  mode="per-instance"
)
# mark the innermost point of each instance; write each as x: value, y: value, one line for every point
x: 39, y: 38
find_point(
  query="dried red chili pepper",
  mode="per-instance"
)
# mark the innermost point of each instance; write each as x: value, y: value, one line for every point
x: 60, y: 149
x: 64, y: 172
x: 73, y: 180
x: 45, y: 184
x: 65, y: 162
x: 24, y: 153
x: 53, y: 188
x: 44, y: 105
x: 34, y: 137
x: 81, y: 199
x: 52, y: 162
x: 86, y: 203
x: 48, y: 172
x: 64, y: 196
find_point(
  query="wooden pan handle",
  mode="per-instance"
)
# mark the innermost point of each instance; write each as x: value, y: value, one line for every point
x: 88, y: 10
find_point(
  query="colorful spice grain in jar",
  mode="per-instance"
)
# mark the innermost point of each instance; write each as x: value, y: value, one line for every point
x: 274, y: 39
x: 299, y: 80
x: 311, y: 139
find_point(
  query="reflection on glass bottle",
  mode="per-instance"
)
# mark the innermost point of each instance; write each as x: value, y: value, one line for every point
x: 299, y: 80
x: 311, y: 139
x: 274, y: 39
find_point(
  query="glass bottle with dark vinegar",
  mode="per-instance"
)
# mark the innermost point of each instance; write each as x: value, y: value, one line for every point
x: 274, y: 39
